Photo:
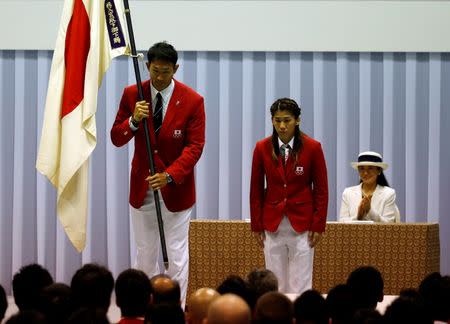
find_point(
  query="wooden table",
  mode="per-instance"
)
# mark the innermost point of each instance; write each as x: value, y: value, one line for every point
x: 404, y: 253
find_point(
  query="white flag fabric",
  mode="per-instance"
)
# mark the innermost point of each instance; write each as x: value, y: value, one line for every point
x: 89, y: 37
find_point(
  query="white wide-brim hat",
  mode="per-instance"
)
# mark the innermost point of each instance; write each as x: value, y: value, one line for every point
x: 370, y: 158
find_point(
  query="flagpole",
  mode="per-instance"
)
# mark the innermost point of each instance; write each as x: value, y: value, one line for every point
x: 147, y: 138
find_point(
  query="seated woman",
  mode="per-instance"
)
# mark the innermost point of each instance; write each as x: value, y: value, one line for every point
x: 372, y: 199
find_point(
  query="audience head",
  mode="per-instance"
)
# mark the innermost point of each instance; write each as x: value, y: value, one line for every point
x: 132, y: 293
x: 164, y: 290
x: 435, y: 290
x: 234, y: 284
x: 273, y: 307
x: 406, y: 310
x: 339, y: 304
x: 92, y: 286
x: 367, y: 316
x: 310, y: 307
x: 27, y: 285
x: 228, y: 309
x: 366, y: 287
x: 259, y: 282
x: 88, y: 315
x: 3, y: 303
x: 410, y: 293
x: 27, y: 316
x: 164, y: 313
x: 56, y: 303
x: 199, y: 302
x: 370, y: 166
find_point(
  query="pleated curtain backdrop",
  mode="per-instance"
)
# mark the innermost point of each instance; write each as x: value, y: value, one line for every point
x: 395, y: 103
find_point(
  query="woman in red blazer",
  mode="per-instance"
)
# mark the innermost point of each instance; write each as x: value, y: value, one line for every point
x: 288, y: 198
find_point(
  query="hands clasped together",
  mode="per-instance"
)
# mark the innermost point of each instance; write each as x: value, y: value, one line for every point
x: 364, y: 207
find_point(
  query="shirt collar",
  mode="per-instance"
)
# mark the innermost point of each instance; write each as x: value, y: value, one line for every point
x: 165, y: 93
x: 291, y: 142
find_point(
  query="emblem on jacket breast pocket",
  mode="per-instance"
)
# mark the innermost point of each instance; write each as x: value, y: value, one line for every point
x: 298, y: 170
x: 177, y: 133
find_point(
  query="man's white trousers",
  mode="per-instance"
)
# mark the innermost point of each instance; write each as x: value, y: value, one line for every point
x: 148, y: 245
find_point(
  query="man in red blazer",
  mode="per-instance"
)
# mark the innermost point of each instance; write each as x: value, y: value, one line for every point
x: 175, y: 116
x: 288, y: 198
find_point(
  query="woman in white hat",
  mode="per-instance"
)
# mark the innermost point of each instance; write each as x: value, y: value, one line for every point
x: 372, y: 199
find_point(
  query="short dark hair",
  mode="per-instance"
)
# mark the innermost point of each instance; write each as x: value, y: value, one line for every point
x: 132, y: 292
x: 92, y: 286
x: 310, y: 307
x: 339, y: 304
x: 27, y: 284
x: 366, y: 286
x: 56, y: 303
x: 162, y: 51
x: 234, y: 284
x: 259, y: 282
x: 406, y: 310
x: 262, y: 281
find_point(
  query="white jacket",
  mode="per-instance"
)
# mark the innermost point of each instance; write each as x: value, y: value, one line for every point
x: 382, y: 206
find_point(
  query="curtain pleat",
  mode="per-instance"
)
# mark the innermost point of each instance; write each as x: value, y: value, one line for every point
x: 395, y: 103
